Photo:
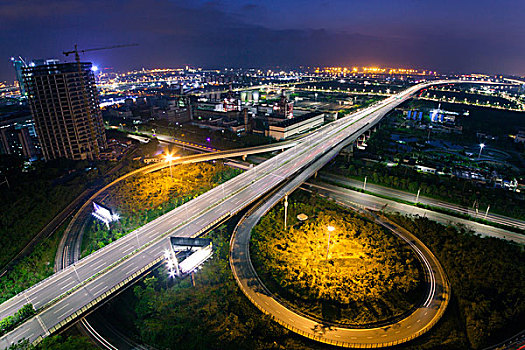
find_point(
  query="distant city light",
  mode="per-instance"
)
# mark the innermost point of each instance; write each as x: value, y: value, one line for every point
x: 94, y: 68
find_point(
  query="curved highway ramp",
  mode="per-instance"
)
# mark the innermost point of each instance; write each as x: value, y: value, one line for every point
x: 71, y: 292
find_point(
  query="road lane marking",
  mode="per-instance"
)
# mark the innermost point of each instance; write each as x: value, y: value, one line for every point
x: 99, y: 265
x: 27, y: 329
x: 57, y: 310
x: 42, y: 324
x: 67, y: 285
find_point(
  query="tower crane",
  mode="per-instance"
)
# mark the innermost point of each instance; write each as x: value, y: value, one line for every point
x: 76, y: 51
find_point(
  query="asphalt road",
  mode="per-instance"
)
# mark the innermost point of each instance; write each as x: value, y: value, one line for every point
x: 410, y: 197
x: 417, y: 323
x: 377, y: 203
x: 89, y: 278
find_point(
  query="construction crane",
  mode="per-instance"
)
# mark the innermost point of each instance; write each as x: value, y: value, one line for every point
x: 85, y: 101
x: 76, y: 51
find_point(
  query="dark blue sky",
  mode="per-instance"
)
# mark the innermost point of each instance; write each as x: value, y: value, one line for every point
x: 444, y: 35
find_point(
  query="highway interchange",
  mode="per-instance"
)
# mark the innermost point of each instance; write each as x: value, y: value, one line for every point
x: 61, y: 296
x: 397, y: 332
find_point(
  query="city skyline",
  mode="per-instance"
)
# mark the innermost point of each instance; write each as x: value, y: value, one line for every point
x: 445, y: 36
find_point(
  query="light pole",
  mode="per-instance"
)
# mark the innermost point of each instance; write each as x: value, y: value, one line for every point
x: 285, y: 210
x: 481, y: 146
x: 169, y: 158
x: 330, y: 229
x: 417, y: 196
x: 364, y: 184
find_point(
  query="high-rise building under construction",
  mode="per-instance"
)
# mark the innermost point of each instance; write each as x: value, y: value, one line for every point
x: 64, y: 103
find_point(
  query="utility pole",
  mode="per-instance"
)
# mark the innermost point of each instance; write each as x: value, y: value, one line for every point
x: 487, y: 212
x: 285, y: 210
x: 364, y: 184
x: 417, y: 196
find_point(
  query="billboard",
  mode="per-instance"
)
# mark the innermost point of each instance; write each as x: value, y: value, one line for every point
x: 103, y: 213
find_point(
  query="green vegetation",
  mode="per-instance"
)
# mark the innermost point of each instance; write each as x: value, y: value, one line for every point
x: 487, y: 276
x: 31, y: 269
x: 369, y: 275
x: 403, y: 145
x: 429, y: 207
x: 215, y: 314
x: 34, y: 198
x: 11, y: 322
x: 448, y: 189
x: 57, y: 342
x: 139, y: 200
x: 488, y: 291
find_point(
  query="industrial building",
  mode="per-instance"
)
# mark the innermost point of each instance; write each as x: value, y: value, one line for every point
x: 296, y: 126
x: 64, y: 103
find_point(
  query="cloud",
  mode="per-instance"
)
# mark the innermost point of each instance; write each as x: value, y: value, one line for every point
x: 215, y: 34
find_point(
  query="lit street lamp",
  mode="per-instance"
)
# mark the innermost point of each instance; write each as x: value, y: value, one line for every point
x: 481, y: 146
x: 330, y: 229
x: 169, y: 158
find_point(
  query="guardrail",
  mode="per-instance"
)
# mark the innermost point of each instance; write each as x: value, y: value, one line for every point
x: 341, y: 128
x: 95, y: 301
x: 445, y: 293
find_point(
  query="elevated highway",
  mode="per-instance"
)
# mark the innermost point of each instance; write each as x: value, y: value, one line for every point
x: 72, y: 291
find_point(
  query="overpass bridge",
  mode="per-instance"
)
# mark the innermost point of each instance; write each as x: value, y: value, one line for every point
x: 71, y: 292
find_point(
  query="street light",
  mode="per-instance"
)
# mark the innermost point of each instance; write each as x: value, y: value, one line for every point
x: 481, y: 145
x: 169, y: 158
x: 330, y: 229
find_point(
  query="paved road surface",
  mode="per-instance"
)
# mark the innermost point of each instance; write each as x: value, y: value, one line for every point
x: 417, y: 323
x: 94, y: 276
x: 376, y: 203
x: 410, y: 197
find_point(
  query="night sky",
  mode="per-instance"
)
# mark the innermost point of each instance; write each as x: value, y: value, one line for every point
x: 445, y: 35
